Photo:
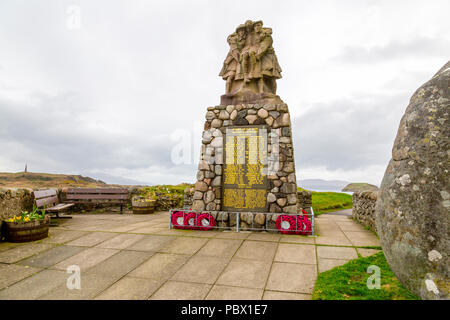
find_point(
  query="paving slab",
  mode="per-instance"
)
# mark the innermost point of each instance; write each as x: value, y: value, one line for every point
x: 220, y: 248
x: 201, y: 233
x: 120, y: 241
x: 161, y: 266
x: 264, y: 236
x: 12, y: 273
x: 290, y: 277
x: 121, y: 263
x: 201, y: 269
x: 292, y: 238
x: 176, y: 232
x: 51, y: 257
x: 91, y: 285
x: 257, y: 250
x: 350, y: 226
x: 125, y: 227
x: 65, y: 236
x: 233, y: 235
x: 148, y: 230
x: 327, y: 264
x: 87, y: 258
x: 277, y: 295
x: 175, y: 290
x: 362, y: 238
x: 338, y: 239
x: 33, y: 287
x: 101, y: 226
x: 296, y: 253
x: 184, y: 245
x: 336, y: 252
x: 129, y: 288
x: 151, y: 243
x: 91, y: 239
x: 367, y: 252
x: 8, y: 245
x: 219, y: 292
x: 331, y: 216
x: 245, y: 273
x: 329, y: 231
x: 22, y: 252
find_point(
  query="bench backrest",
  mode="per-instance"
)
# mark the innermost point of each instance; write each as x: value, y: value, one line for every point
x: 46, y: 198
x: 119, y: 195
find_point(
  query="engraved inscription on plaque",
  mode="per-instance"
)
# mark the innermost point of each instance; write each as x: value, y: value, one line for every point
x: 245, y: 169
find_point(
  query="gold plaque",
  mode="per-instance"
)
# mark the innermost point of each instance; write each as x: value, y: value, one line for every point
x: 245, y: 167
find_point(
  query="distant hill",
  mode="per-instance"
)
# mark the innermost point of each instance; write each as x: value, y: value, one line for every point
x: 360, y: 186
x: 322, y: 185
x: 46, y: 180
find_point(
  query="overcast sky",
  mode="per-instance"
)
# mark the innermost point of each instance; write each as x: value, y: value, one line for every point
x: 102, y: 94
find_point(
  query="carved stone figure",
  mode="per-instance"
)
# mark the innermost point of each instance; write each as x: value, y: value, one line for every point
x: 230, y: 64
x: 251, y: 66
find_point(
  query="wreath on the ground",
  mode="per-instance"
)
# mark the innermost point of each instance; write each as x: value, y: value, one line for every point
x: 294, y: 224
x: 205, y: 221
x: 177, y: 219
x: 189, y: 220
x: 286, y: 224
x: 192, y: 220
x: 304, y: 223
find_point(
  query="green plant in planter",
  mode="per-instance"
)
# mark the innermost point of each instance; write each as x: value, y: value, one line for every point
x: 26, y: 216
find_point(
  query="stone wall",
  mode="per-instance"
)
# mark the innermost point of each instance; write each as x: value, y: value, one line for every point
x: 188, y: 198
x: 304, y: 200
x: 13, y: 201
x: 282, y: 185
x: 364, y: 208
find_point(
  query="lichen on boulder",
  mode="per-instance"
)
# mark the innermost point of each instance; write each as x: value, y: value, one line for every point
x: 412, y: 210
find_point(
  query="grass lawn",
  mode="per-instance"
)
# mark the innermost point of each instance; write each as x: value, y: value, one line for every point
x: 349, y: 282
x: 323, y: 202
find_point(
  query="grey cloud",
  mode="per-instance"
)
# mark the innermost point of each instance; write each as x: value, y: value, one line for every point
x: 53, y: 133
x: 417, y: 47
x: 348, y: 134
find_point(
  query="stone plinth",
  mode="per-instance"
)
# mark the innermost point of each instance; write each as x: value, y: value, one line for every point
x: 272, y: 120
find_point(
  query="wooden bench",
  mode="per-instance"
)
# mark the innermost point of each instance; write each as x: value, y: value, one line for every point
x: 118, y: 196
x: 48, y: 200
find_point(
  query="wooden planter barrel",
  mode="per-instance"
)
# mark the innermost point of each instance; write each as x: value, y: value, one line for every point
x: 27, y: 231
x: 143, y: 207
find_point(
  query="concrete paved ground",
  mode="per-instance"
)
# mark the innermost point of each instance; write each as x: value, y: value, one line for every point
x: 138, y: 257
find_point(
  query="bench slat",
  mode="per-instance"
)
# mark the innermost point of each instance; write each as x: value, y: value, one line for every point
x: 97, y: 202
x: 44, y: 193
x: 96, y: 196
x: 96, y: 191
x: 47, y: 202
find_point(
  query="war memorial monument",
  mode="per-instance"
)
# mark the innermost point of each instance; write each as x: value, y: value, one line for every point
x: 247, y: 159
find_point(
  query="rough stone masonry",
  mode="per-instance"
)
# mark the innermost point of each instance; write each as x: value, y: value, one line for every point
x: 247, y: 156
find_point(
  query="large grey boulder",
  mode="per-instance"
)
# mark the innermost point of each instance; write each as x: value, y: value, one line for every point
x: 412, y: 210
